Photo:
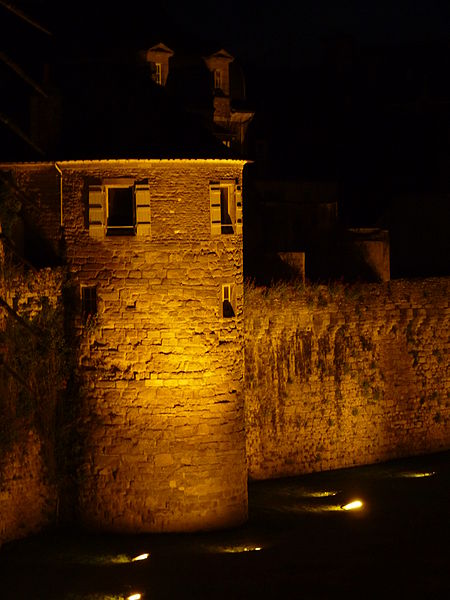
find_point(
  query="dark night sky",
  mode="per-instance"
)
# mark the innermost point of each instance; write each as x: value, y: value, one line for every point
x: 356, y: 142
x: 258, y: 31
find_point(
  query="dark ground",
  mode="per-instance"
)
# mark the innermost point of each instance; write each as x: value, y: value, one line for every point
x: 396, y: 546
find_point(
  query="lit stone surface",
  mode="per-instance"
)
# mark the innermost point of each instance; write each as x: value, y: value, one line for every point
x: 333, y: 376
x: 163, y: 420
x: 346, y: 375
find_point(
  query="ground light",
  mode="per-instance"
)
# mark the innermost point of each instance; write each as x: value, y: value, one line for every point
x: 418, y: 474
x: 140, y: 557
x: 320, y: 494
x: 134, y: 597
x: 355, y: 504
x: 237, y: 549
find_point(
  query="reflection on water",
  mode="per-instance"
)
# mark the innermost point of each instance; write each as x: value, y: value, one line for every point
x: 298, y: 536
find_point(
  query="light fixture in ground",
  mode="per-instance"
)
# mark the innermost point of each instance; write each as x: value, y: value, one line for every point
x: 237, y: 549
x: 416, y: 475
x: 140, y: 557
x: 320, y: 494
x: 354, y: 505
x: 134, y: 597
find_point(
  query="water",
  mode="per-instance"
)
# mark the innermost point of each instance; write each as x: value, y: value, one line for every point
x: 298, y: 543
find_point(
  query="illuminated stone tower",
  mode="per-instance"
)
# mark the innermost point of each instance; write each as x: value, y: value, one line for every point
x: 144, y: 207
x: 154, y: 250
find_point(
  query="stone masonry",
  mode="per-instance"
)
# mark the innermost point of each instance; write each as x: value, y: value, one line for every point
x: 28, y: 496
x: 345, y: 375
x: 333, y: 376
x: 160, y: 364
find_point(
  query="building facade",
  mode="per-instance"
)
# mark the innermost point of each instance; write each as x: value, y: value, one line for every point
x: 154, y: 254
x: 211, y: 85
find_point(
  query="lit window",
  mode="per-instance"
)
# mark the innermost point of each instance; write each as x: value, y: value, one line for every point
x: 88, y: 302
x: 217, y: 79
x: 228, y: 301
x: 226, y: 208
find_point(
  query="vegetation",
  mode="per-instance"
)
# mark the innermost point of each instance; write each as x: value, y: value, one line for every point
x: 36, y: 367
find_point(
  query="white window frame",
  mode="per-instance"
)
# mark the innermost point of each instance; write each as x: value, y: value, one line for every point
x: 158, y: 73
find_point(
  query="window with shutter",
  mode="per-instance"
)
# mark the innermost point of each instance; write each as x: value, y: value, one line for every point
x: 96, y: 211
x: 120, y: 210
x: 142, y: 196
x: 238, y: 199
x: 119, y: 207
x: 214, y: 198
x: 225, y: 208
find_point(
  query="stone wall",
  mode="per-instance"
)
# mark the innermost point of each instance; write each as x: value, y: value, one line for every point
x: 27, y: 500
x: 163, y: 417
x: 345, y: 375
x: 28, y: 494
x: 334, y: 376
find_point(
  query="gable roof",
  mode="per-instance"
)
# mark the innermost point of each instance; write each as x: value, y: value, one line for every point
x: 222, y: 53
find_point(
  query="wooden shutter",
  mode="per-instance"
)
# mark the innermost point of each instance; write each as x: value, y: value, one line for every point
x: 214, y: 201
x: 143, y: 220
x: 97, y: 212
x: 238, y: 200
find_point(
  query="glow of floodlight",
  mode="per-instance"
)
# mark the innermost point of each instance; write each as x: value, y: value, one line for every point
x: 140, y: 557
x: 419, y: 474
x: 320, y: 494
x: 134, y: 597
x: 238, y: 549
x: 352, y: 505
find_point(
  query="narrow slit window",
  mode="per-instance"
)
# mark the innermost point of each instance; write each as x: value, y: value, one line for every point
x: 226, y: 210
x: 88, y: 302
x: 228, y: 310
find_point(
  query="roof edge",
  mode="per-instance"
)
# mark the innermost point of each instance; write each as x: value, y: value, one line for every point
x: 97, y: 161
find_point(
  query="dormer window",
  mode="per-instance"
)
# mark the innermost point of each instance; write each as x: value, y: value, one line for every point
x: 217, y: 79
x: 157, y: 73
x: 158, y: 57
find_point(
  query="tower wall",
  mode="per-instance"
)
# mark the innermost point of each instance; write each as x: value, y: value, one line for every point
x: 160, y: 369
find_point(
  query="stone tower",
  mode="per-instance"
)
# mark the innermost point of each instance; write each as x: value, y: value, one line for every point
x: 154, y: 252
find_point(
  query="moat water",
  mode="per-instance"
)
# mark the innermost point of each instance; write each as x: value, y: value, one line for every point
x: 299, y: 542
